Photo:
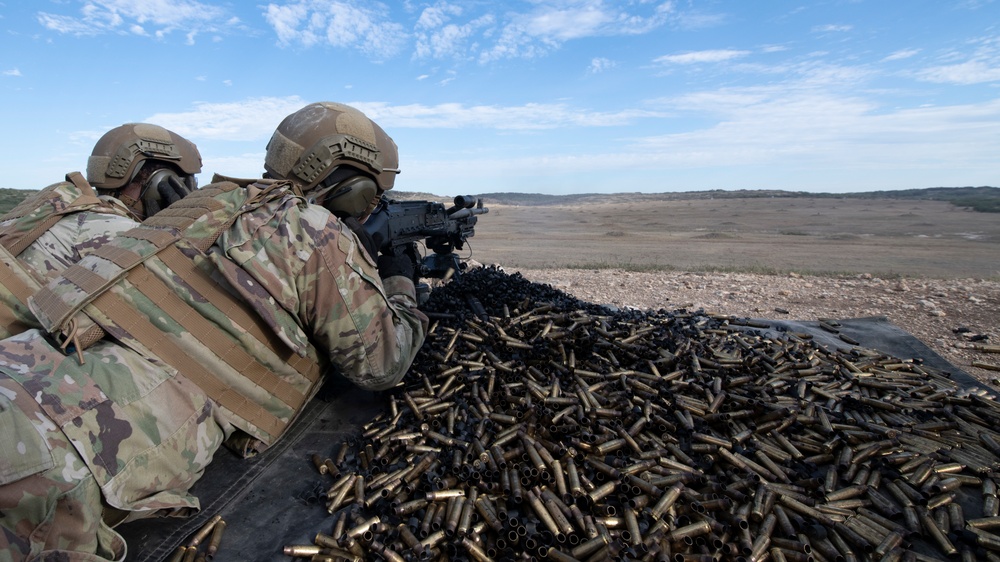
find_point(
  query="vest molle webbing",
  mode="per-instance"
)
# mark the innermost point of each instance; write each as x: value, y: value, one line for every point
x: 121, y: 289
x: 34, y: 216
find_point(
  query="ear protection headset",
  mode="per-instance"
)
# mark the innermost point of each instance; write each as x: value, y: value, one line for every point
x: 351, y: 197
x: 346, y: 193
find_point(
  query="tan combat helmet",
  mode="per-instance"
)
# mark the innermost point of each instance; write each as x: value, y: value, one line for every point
x: 336, y: 155
x: 119, y: 154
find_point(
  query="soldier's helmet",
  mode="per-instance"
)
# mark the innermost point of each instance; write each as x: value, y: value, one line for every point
x: 121, y: 153
x: 336, y: 155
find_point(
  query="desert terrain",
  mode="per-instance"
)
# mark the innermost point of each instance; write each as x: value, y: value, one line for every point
x: 931, y: 268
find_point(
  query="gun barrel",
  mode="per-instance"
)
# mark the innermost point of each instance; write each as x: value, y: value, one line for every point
x: 463, y: 213
x: 465, y: 201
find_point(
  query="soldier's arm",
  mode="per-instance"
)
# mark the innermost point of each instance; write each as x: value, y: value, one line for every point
x: 370, y: 330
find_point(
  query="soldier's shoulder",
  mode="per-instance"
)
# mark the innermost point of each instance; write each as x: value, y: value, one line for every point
x: 242, y: 182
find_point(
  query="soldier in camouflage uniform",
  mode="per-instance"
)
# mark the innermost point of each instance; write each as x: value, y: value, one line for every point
x: 212, y: 322
x: 136, y: 168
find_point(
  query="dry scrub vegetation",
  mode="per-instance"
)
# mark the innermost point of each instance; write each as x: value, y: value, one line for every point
x: 929, y: 267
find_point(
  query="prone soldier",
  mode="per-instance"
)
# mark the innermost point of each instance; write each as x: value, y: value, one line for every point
x: 213, y: 321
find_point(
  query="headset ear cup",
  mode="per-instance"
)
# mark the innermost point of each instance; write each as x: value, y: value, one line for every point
x: 352, y: 196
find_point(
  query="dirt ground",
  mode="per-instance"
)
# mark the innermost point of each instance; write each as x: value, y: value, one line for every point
x: 950, y: 316
x: 929, y: 267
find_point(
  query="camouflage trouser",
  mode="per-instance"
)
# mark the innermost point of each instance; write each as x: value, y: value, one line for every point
x: 117, y: 431
x: 49, y: 499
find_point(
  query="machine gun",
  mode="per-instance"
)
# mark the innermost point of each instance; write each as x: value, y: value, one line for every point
x: 396, y: 225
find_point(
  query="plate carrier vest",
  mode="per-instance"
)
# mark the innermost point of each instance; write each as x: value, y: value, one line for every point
x: 257, y: 378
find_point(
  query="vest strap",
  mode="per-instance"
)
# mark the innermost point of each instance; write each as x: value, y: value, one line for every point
x: 19, y: 289
x: 87, y: 198
x: 236, y: 310
x: 165, y: 348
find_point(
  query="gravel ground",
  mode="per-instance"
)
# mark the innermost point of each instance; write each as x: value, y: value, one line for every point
x: 950, y: 316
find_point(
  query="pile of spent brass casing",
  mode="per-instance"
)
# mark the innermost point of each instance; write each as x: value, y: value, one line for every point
x: 536, y: 426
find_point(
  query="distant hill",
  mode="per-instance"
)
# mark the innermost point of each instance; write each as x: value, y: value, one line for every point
x: 9, y: 198
x: 982, y: 199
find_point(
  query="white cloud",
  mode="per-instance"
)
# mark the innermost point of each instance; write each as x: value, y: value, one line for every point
x: 364, y: 26
x: 820, y: 128
x: 12, y: 72
x: 244, y: 165
x: 254, y: 118
x: 979, y: 67
x: 437, y: 15
x: 554, y: 22
x: 971, y: 72
x: 824, y: 141
x: 464, y: 31
x: 165, y: 16
x: 532, y: 116
x: 696, y: 57
x: 832, y: 28
x: 600, y: 64
x: 901, y: 54
x: 450, y: 40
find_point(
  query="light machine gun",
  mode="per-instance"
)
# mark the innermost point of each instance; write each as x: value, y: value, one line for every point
x: 396, y: 225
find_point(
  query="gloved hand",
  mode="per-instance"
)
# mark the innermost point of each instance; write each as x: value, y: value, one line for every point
x: 170, y: 189
x: 404, y: 264
x: 366, y: 239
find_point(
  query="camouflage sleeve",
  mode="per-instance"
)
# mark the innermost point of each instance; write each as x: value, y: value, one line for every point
x: 372, y: 330
x: 73, y: 237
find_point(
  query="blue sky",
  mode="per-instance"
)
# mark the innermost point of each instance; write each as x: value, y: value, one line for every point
x: 544, y: 96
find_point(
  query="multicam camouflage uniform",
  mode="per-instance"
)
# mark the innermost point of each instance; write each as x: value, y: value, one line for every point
x: 49, y: 231
x: 46, y: 233
x: 146, y: 414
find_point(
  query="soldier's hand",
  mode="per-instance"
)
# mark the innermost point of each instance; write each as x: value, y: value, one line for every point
x: 404, y: 264
x: 363, y: 236
x: 171, y: 189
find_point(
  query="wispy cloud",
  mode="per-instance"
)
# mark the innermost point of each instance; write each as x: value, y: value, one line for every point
x: 979, y: 67
x: 697, y: 57
x: 825, y: 141
x: 437, y: 37
x: 12, y: 72
x: 552, y: 23
x: 600, y: 64
x: 832, y: 28
x: 901, y: 55
x: 163, y: 17
x: 822, y: 128
x: 971, y: 72
x: 463, y: 31
x: 256, y: 118
x: 365, y: 26
x: 532, y: 116
x: 250, y: 119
